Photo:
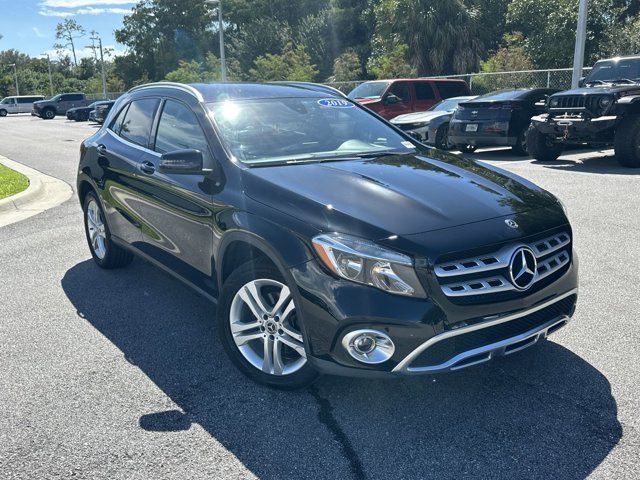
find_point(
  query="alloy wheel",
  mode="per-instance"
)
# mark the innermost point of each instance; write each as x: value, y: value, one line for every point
x: 96, y: 229
x: 264, y: 327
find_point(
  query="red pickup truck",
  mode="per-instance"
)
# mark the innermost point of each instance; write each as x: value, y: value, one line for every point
x: 390, y: 98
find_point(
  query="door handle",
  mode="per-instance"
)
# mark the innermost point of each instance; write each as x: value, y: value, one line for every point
x: 147, y: 167
x: 101, y: 149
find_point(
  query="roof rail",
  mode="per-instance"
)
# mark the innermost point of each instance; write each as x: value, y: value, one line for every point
x: 179, y: 86
x: 316, y: 87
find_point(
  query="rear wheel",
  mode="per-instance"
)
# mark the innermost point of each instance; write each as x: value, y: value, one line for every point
x: 541, y: 147
x: 627, y: 142
x: 260, y: 329
x: 105, y: 253
x: 520, y: 148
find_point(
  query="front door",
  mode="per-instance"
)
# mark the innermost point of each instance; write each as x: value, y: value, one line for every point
x: 401, y: 93
x: 177, y: 211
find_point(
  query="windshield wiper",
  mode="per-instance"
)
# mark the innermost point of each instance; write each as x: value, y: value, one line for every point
x: 386, y: 153
x: 594, y: 82
x: 626, y: 80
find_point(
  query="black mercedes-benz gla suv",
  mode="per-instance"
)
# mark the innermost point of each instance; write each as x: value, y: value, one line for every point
x: 331, y: 241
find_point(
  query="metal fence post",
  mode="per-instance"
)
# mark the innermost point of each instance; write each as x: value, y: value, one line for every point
x: 548, y: 78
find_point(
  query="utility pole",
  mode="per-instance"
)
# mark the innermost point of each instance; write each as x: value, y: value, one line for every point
x: 15, y: 74
x: 223, y: 67
x: 581, y: 36
x: 50, y: 77
x: 104, y: 76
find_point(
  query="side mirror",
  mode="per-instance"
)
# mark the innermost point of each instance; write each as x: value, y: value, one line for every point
x: 581, y: 82
x: 182, y: 161
x: 391, y: 99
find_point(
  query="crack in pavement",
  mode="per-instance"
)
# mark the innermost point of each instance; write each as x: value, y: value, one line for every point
x: 327, y: 418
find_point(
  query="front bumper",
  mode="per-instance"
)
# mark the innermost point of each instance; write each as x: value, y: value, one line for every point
x: 482, y: 140
x: 426, y: 340
x: 566, y: 128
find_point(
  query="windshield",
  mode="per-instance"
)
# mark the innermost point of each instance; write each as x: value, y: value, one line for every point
x: 369, y: 90
x: 611, y: 70
x: 5, y: 100
x: 449, y: 104
x: 302, y: 129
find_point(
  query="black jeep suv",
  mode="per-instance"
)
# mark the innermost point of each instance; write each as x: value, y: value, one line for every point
x: 331, y: 241
x: 604, y: 111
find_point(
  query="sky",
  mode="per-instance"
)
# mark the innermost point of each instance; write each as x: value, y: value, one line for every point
x: 29, y: 25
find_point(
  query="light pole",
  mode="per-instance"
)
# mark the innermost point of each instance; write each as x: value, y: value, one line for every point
x: 581, y: 35
x: 104, y: 77
x: 15, y: 74
x: 50, y: 77
x: 223, y: 67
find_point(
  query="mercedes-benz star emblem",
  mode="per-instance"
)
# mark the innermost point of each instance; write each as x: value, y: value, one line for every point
x: 511, y: 223
x: 522, y: 268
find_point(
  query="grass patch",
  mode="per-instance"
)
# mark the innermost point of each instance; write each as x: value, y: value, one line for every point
x: 11, y: 182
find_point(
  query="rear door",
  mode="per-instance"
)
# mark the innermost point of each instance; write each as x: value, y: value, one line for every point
x: 424, y: 95
x: 120, y: 149
x: 178, y: 214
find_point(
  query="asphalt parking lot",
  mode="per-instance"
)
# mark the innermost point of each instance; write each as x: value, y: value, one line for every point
x: 120, y: 375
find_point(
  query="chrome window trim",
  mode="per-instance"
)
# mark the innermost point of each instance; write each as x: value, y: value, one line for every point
x: 404, y: 365
x: 178, y: 86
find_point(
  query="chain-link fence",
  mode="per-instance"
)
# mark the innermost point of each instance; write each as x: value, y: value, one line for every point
x: 481, y: 83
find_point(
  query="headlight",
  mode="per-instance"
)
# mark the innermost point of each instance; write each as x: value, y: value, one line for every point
x: 554, y: 102
x: 365, y: 262
x: 604, y: 102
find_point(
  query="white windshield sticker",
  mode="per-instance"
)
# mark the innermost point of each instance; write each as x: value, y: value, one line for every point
x: 408, y: 144
x: 335, y: 103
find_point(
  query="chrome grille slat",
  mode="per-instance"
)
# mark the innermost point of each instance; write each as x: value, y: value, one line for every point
x: 550, y: 250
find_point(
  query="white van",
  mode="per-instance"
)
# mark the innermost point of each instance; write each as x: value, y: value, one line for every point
x: 21, y: 104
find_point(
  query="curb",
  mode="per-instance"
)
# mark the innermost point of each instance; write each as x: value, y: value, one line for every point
x: 44, y: 192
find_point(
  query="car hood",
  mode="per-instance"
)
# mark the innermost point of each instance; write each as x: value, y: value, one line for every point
x: 393, y: 195
x: 419, y: 117
x: 603, y: 89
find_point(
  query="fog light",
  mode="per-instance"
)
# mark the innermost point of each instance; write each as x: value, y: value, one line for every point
x: 368, y: 346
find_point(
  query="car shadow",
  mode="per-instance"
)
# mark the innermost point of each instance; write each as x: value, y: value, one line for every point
x: 544, y: 412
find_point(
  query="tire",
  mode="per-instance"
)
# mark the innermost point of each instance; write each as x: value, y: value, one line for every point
x: 541, y: 147
x: 104, y: 251
x: 3, y: 113
x: 442, y: 137
x: 49, y: 114
x: 280, y: 334
x: 520, y: 148
x: 627, y: 142
x: 466, y: 148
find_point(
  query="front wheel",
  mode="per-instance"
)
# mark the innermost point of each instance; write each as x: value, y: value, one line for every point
x: 520, y: 148
x: 541, y: 147
x: 260, y: 329
x: 627, y: 142
x: 442, y: 137
x: 3, y: 113
x: 49, y: 114
x: 466, y: 148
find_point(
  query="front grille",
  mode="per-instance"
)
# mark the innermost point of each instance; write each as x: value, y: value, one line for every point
x: 409, y: 126
x: 448, y: 348
x: 484, y: 277
x: 573, y: 103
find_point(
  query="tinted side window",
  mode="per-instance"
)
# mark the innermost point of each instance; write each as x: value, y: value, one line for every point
x: 26, y: 100
x: 452, y: 89
x: 400, y: 90
x: 424, y: 91
x: 136, y: 126
x: 179, y: 129
x: 116, y: 125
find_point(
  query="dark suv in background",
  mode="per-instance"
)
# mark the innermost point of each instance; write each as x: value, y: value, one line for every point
x: 603, y: 112
x: 497, y: 119
x: 390, y: 98
x: 331, y: 241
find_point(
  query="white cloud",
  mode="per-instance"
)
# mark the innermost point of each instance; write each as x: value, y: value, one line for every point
x: 71, y: 8
x: 38, y: 33
x: 82, y: 3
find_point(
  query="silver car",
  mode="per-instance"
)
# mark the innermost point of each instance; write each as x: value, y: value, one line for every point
x: 432, y: 126
x: 21, y: 104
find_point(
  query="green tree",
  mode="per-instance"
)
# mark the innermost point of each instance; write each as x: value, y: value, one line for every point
x: 292, y: 64
x: 66, y: 34
x: 442, y: 36
x: 392, y: 64
x: 347, y: 67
